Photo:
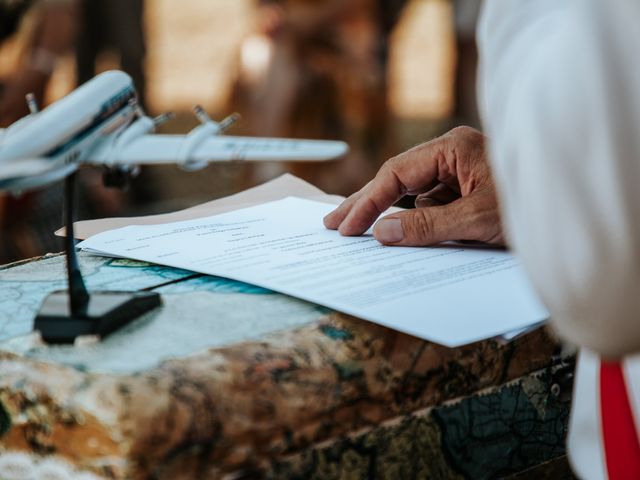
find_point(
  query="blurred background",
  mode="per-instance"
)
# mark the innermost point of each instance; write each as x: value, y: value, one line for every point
x: 383, y: 75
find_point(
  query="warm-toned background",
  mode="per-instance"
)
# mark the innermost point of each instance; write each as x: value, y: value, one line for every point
x: 209, y: 52
x: 193, y: 49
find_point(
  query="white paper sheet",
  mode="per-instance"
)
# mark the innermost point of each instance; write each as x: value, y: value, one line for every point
x: 284, y: 186
x: 448, y: 295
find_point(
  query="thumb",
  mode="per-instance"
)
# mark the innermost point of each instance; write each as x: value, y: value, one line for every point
x: 423, y: 226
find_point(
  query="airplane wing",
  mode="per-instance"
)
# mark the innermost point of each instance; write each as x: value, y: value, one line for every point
x: 160, y: 149
x: 26, y: 174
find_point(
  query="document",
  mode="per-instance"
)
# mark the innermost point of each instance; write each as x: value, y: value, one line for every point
x: 286, y: 185
x: 446, y: 294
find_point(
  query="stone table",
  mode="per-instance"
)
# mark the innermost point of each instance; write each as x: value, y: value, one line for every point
x: 227, y: 380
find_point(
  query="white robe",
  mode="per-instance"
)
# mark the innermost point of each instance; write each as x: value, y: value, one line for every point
x: 559, y: 94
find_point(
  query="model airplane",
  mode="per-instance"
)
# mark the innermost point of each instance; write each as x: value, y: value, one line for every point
x: 100, y: 123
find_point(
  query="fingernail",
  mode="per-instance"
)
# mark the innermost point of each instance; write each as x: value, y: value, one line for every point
x: 328, y: 223
x: 389, y: 230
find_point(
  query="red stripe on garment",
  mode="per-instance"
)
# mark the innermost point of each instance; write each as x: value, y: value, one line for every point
x: 621, y: 446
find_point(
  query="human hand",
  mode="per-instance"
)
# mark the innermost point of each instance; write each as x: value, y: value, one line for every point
x: 456, y: 195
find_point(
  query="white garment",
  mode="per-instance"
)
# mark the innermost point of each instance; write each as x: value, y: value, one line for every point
x: 560, y: 98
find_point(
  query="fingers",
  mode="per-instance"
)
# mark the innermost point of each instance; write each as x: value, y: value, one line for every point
x: 408, y: 172
x: 333, y: 220
x: 420, y: 226
x: 474, y: 217
x: 456, y: 160
x: 428, y: 187
x: 439, y: 195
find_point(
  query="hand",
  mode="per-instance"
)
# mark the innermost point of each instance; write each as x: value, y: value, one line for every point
x: 456, y: 195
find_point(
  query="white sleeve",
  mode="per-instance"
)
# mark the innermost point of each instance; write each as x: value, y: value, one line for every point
x: 560, y: 98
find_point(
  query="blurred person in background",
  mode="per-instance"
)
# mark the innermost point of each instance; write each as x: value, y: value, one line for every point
x: 52, y: 35
x: 91, y: 27
x: 318, y: 70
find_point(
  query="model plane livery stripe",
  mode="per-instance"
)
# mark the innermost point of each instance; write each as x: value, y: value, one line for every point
x: 108, y: 110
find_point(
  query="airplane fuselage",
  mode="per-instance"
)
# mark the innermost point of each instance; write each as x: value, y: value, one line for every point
x: 47, y: 146
x: 101, y: 124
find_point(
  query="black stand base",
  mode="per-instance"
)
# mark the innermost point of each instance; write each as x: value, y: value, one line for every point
x: 105, y: 312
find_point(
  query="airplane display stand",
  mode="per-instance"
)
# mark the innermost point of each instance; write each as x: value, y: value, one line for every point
x: 68, y: 314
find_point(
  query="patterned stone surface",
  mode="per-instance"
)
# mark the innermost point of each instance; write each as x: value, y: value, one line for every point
x: 499, y: 432
x: 327, y: 397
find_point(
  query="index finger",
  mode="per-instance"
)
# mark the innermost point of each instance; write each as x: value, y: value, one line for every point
x: 333, y: 220
x: 406, y: 173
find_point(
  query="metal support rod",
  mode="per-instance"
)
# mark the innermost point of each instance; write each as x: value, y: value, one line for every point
x: 78, y: 294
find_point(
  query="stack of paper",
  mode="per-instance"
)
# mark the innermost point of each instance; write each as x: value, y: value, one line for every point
x: 449, y: 295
